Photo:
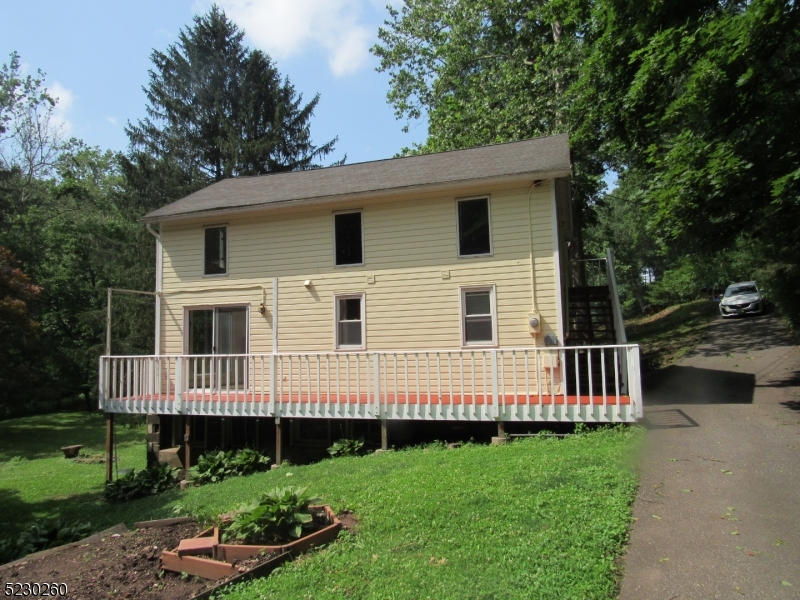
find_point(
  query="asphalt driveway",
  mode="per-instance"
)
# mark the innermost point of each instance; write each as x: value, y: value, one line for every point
x: 718, y: 511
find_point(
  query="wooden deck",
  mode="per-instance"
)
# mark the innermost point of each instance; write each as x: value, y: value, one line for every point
x: 526, y: 384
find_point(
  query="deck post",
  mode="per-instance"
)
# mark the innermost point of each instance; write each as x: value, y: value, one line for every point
x: 501, y: 429
x: 278, y: 441
x: 384, y: 434
x: 109, y: 446
x: 187, y: 437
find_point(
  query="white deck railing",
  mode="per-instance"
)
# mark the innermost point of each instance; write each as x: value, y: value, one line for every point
x: 521, y: 384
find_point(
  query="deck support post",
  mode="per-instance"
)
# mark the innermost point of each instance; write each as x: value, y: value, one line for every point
x: 278, y: 441
x: 384, y: 434
x: 109, y: 446
x: 501, y: 429
x: 187, y: 437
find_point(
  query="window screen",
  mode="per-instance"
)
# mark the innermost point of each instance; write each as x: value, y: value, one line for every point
x: 474, y: 236
x: 348, y: 239
x: 478, y: 326
x: 350, y: 322
x: 216, y: 251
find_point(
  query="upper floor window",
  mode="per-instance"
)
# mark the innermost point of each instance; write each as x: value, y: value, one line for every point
x: 215, y: 259
x: 348, y: 239
x: 474, y: 230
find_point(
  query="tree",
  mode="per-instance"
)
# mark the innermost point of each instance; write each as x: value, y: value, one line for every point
x: 217, y: 109
x: 29, y: 142
x: 703, y: 101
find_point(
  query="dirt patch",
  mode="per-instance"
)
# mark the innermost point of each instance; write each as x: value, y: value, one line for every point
x: 123, y: 566
x: 349, y: 521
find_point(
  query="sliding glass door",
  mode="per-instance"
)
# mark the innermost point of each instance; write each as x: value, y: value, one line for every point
x: 214, y: 335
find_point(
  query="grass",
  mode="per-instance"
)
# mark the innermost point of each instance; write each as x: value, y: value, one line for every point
x: 667, y: 336
x: 538, y: 518
x: 37, y: 481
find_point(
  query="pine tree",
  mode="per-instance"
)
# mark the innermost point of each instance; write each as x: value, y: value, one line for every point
x: 217, y: 109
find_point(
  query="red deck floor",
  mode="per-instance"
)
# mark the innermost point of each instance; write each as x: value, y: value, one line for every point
x: 423, y: 399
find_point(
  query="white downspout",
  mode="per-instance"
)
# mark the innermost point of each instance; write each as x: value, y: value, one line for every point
x: 275, y: 315
x: 557, y: 260
x: 159, y: 285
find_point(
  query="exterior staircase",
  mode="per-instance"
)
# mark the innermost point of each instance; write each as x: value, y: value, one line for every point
x: 591, y: 322
x: 591, y: 317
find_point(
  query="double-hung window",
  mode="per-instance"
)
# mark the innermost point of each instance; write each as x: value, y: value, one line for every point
x: 215, y: 252
x: 348, y: 239
x: 350, y: 328
x: 478, y: 316
x: 474, y: 227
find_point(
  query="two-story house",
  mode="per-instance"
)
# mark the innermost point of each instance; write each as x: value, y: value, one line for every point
x: 431, y: 287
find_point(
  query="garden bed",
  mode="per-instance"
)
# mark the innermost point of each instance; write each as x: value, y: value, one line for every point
x: 138, y: 563
x: 205, y: 556
x: 125, y: 565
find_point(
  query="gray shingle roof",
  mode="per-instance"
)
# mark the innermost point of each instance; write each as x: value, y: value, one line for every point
x: 538, y: 158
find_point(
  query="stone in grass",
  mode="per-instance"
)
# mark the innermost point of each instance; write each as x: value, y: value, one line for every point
x: 71, y: 451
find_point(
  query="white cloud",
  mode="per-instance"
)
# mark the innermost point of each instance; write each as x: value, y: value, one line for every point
x: 64, y: 100
x: 285, y: 29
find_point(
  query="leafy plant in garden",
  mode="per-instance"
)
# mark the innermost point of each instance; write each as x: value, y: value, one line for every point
x: 213, y: 467
x: 41, y: 535
x: 346, y: 447
x: 248, y: 461
x: 139, y: 483
x: 276, y: 515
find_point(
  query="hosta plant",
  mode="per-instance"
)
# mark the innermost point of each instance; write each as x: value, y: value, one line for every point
x: 139, y: 483
x: 277, y: 515
x: 41, y: 535
x: 213, y: 467
x: 345, y: 447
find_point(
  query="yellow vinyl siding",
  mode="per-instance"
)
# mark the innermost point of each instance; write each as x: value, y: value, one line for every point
x: 408, y: 243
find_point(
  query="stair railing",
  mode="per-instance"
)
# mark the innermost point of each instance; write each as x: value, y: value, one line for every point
x: 616, y: 309
x: 619, y: 325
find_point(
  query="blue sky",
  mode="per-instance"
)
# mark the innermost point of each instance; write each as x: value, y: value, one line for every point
x: 96, y: 57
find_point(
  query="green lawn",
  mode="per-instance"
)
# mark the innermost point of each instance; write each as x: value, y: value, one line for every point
x: 35, y: 478
x: 667, y: 336
x: 538, y: 518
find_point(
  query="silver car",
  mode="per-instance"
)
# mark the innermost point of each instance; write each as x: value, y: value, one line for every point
x: 741, y: 298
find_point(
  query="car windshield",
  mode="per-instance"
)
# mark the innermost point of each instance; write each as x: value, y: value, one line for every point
x: 741, y: 290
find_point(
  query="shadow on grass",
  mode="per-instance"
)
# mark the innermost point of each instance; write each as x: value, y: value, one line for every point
x: 669, y: 335
x: 16, y: 514
x: 42, y: 436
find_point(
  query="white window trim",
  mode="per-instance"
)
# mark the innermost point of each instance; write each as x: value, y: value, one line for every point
x: 333, y: 231
x: 488, y: 199
x: 227, y: 251
x: 462, y: 291
x: 187, y: 309
x: 336, y: 297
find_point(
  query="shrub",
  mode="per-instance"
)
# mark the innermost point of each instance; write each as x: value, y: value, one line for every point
x: 139, y: 483
x: 213, y: 467
x: 345, y: 447
x: 41, y: 535
x: 277, y: 515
